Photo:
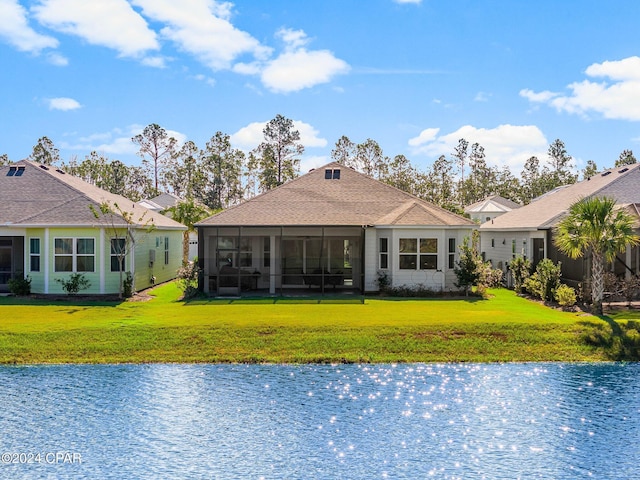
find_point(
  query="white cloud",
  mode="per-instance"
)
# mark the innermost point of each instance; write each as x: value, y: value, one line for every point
x: 297, y: 68
x: 417, y: 2
x: 202, y: 28
x: 505, y: 145
x: 14, y: 27
x: 57, y: 59
x: 426, y: 136
x: 617, y: 98
x: 249, y: 137
x: 482, y: 97
x: 63, y: 103
x: 109, y: 23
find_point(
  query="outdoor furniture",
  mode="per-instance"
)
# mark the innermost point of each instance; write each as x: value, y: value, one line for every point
x: 317, y: 277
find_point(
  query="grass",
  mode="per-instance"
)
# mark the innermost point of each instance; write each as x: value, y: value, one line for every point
x: 165, y: 329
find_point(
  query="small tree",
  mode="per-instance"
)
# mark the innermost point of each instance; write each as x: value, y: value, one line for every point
x: 520, y: 269
x: 125, y: 229
x: 187, y: 212
x: 596, y: 225
x: 468, y: 268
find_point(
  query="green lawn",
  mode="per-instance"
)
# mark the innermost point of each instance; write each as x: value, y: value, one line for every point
x: 165, y: 329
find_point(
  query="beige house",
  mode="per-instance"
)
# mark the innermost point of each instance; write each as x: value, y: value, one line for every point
x: 331, y: 230
x: 48, y: 232
x: 490, y: 208
x: 528, y: 231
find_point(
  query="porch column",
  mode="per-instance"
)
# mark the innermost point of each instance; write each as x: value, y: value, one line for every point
x: 627, y: 260
x: 47, y: 265
x: 272, y: 264
x: 101, y: 258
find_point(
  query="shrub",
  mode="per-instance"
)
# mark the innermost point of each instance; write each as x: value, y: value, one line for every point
x: 383, y: 280
x: 188, y: 277
x: 467, y: 269
x: 74, y: 284
x: 521, y: 270
x: 490, y: 277
x: 20, y: 285
x: 127, y: 286
x: 544, y: 281
x: 565, y: 296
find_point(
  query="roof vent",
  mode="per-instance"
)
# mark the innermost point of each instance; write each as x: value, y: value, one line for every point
x: 12, y: 171
x: 604, y: 174
x: 44, y: 167
x: 625, y: 169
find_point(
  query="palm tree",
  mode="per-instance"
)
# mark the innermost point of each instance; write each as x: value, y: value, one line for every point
x: 187, y: 212
x: 595, y: 224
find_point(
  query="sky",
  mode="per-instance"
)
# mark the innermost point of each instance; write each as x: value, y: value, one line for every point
x: 414, y: 75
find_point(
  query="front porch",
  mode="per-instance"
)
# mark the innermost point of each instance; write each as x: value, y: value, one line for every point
x: 240, y: 261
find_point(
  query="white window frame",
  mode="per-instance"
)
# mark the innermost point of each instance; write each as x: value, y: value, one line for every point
x: 33, y: 255
x: 74, y: 254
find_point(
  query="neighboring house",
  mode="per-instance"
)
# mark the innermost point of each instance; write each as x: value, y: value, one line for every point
x: 528, y: 230
x: 48, y: 231
x: 160, y: 204
x: 490, y: 208
x: 333, y: 229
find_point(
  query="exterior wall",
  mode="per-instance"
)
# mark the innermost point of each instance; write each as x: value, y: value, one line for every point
x: 441, y: 278
x: 498, y: 247
x: 102, y: 279
x: 152, y: 265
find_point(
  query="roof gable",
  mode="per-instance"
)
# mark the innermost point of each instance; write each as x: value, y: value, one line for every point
x: 351, y: 199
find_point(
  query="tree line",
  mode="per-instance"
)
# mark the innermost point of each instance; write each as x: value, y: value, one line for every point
x: 219, y: 175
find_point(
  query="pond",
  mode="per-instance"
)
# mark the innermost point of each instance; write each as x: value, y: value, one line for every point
x: 451, y: 421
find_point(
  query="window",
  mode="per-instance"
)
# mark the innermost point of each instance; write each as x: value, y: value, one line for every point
x: 85, y: 258
x: 74, y: 254
x: 384, y: 253
x: 493, y: 243
x: 118, y: 249
x: 63, y: 254
x: 408, y: 253
x: 428, y: 254
x: 513, y: 248
x: 34, y: 254
x: 166, y: 250
x: 452, y: 253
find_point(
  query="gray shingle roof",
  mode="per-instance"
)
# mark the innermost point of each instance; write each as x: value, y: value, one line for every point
x: 49, y: 197
x: 622, y: 183
x: 355, y: 199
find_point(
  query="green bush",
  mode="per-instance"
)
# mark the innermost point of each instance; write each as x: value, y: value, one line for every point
x: 74, y: 283
x: 188, y: 277
x: 565, y: 296
x: 20, y: 285
x: 127, y: 286
x: 544, y: 281
x: 521, y: 270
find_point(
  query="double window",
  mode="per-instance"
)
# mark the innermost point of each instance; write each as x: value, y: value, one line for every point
x: 74, y: 254
x: 418, y: 254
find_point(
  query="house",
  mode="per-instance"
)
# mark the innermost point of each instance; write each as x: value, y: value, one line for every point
x: 330, y: 230
x: 490, y: 208
x: 48, y: 231
x: 161, y: 203
x: 528, y: 231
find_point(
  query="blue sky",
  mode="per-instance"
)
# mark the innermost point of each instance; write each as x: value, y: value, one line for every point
x: 415, y: 76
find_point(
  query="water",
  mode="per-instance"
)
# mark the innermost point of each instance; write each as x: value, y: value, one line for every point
x: 346, y: 421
